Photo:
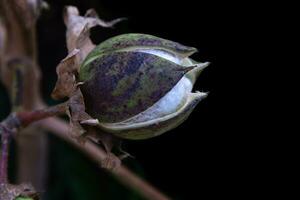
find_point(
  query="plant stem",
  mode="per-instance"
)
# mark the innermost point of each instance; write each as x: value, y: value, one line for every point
x: 23, y: 119
x: 5, y: 140
x: 20, y: 74
x: 28, y: 117
x: 17, y: 120
x: 128, y: 178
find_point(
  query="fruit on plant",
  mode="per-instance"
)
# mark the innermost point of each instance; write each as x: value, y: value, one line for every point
x: 139, y: 86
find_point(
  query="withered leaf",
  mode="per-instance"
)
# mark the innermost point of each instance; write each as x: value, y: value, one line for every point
x: 78, y: 29
x: 66, y: 83
x: 77, y: 107
x: 111, y: 162
x: 79, y: 45
x: 79, y: 118
x: 77, y: 113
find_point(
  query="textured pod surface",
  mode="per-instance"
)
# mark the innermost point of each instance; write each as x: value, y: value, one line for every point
x: 135, y: 41
x: 152, y: 128
x: 122, y: 84
x: 139, y: 86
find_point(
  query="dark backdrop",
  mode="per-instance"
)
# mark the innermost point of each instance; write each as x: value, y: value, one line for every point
x: 202, y: 158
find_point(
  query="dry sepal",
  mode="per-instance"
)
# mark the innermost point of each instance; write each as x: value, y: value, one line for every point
x: 135, y: 86
x: 79, y: 46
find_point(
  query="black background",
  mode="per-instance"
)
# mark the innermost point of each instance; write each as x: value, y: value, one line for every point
x: 209, y: 155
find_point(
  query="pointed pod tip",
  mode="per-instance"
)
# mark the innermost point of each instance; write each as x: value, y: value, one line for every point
x: 196, y: 70
x: 91, y: 122
x: 187, y: 69
x: 190, y: 51
x: 201, y: 66
x: 198, y: 67
x: 199, y: 95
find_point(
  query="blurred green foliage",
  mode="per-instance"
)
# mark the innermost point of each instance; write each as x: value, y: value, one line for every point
x: 23, y: 198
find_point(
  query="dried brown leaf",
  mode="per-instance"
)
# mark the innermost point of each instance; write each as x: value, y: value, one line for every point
x: 111, y: 162
x: 66, y: 82
x: 79, y: 45
x: 77, y: 113
x: 82, y: 125
x: 78, y: 29
x: 77, y: 107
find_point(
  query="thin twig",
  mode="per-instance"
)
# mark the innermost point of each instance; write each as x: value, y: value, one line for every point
x: 17, y: 120
x: 7, y: 127
x: 21, y: 37
x: 5, y: 140
x: 60, y: 128
x: 28, y: 117
x: 20, y: 75
x: 96, y: 153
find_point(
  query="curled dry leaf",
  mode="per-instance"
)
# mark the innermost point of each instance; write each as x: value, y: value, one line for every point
x: 79, y: 118
x: 77, y: 114
x: 79, y: 45
x: 66, y: 83
x: 111, y: 162
x: 11, y: 192
x: 78, y: 28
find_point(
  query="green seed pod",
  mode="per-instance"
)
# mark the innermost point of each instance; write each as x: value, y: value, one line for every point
x: 23, y: 198
x: 139, y: 86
